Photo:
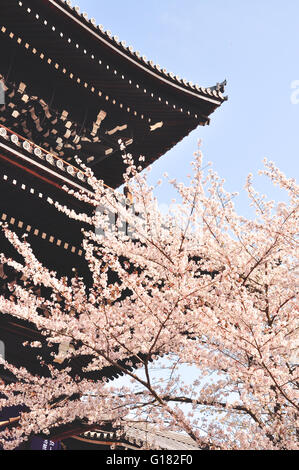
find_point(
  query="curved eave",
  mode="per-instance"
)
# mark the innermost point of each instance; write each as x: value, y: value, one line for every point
x: 212, y: 95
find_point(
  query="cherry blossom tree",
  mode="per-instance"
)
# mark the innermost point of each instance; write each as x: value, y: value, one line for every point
x: 199, y: 289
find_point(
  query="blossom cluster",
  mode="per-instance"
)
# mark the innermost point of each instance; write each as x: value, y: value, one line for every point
x: 202, y: 287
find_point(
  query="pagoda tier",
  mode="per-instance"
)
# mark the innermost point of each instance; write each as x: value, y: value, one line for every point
x: 73, y: 89
x: 15, y: 333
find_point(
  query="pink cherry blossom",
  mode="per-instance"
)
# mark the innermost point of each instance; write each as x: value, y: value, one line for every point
x: 200, y: 288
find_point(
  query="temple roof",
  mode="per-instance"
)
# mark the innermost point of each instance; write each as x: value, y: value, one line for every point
x: 70, y: 79
x: 135, y: 56
x: 140, y: 434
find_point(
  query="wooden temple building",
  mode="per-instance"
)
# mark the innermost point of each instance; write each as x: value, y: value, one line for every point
x: 70, y: 89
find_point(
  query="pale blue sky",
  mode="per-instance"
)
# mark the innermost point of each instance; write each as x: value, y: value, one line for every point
x: 254, y: 44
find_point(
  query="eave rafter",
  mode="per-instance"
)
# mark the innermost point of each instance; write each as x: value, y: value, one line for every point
x: 57, y: 131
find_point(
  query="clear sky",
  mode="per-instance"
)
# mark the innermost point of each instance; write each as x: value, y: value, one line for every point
x: 254, y: 44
